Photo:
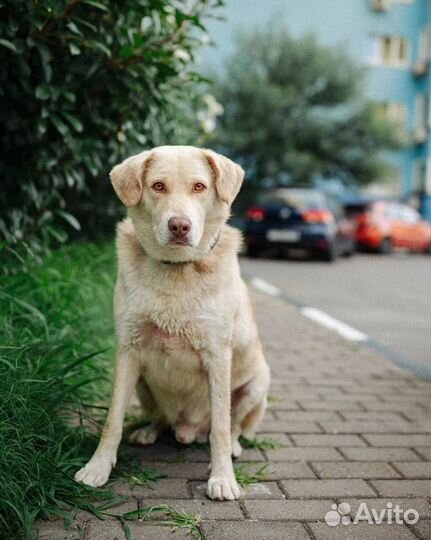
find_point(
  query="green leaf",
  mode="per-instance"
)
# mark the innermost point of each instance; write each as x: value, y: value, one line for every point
x: 60, y: 125
x: 97, y: 5
x: 73, y: 222
x: 43, y: 92
x: 74, y: 50
x: 74, y: 122
x: 8, y: 44
x: 101, y: 46
x: 73, y: 28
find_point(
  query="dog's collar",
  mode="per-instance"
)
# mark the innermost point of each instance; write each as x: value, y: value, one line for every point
x: 213, y: 245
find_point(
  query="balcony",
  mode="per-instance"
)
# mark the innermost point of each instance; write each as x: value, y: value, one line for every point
x: 420, y: 68
x: 380, y: 5
x: 420, y: 135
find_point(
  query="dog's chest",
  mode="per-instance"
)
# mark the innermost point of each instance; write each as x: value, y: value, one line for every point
x: 166, y: 321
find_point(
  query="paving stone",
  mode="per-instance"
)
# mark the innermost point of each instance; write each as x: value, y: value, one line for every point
x: 373, y: 427
x: 379, y: 454
x: 402, y: 488
x: 104, y: 530
x: 372, y: 416
x: 284, y: 404
x: 398, y: 440
x: 173, y: 488
x: 284, y: 470
x: 420, y: 505
x: 54, y: 530
x: 423, y: 529
x: 252, y: 530
x: 304, y: 416
x: 357, y: 469
x: 328, y: 440
x: 414, y: 469
x: 361, y: 531
x: 311, y: 489
x: 108, y: 530
x: 251, y: 454
x: 262, y: 490
x: 290, y: 427
x: 310, y: 405
x: 288, y: 510
x: 304, y: 454
x: 205, y: 508
x: 187, y: 470
x: 423, y: 451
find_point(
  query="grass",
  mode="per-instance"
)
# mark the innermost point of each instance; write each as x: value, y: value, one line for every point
x: 266, y: 443
x: 245, y: 477
x: 129, y: 468
x: 172, y: 518
x: 56, y: 354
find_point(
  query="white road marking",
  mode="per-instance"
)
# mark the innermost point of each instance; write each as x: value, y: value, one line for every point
x: 265, y: 287
x: 333, y: 324
x: 316, y: 315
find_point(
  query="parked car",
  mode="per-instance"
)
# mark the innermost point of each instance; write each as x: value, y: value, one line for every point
x: 384, y: 225
x: 301, y: 218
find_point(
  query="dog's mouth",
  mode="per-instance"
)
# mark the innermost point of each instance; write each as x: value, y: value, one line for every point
x: 179, y: 242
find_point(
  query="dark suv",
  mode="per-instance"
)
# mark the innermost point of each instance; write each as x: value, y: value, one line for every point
x: 301, y: 218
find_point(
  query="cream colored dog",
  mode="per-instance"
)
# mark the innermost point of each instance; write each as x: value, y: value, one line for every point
x: 187, y: 338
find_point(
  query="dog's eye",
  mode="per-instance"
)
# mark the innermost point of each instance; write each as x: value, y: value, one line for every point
x: 159, y: 186
x: 199, y: 187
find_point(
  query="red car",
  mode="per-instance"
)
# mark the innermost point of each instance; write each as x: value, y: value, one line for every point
x: 383, y: 225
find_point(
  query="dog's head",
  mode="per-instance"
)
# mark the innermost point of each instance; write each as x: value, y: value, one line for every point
x: 178, y: 198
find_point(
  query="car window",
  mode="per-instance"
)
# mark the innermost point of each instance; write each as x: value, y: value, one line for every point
x: 303, y: 199
x: 409, y: 215
x: 353, y: 209
x: 392, y: 212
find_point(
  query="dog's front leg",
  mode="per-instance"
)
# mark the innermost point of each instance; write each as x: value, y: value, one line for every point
x: 98, y: 469
x: 222, y: 484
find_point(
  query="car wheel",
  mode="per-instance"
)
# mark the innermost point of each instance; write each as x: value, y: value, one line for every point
x: 386, y: 246
x: 427, y: 250
x: 252, y: 251
x: 331, y: 254
x: 349, y: 251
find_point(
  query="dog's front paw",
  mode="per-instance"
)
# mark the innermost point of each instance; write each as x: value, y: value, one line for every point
x: 95, y: 473
x: 223, y: 488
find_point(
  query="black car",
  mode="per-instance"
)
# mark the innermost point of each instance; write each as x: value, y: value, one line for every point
x: 300, y: 218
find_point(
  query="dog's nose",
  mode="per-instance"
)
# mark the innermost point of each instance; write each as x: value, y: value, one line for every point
x: 179, y: 226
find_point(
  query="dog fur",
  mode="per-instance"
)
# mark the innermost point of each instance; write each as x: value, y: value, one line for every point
x: 186, y: 332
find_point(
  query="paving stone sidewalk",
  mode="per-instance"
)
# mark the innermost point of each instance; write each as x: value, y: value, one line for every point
x: 351, y: 427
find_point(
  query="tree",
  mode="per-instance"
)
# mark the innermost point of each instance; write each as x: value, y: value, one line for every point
x: 84, y: 83
x: 293, y: 110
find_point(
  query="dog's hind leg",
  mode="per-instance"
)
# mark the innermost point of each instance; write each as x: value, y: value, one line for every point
x: 147, y: 434
x: 248, y: 411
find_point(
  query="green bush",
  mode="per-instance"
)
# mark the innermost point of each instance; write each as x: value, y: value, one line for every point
x: 84, y: 83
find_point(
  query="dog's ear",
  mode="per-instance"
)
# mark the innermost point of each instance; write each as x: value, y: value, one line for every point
x: 228, y: 176
x: 128, y: 178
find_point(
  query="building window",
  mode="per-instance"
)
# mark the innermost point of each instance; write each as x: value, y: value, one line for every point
x: 424, y: 52
x: 419, y: 174
x: 396, y: 112
x: 389, y: 51
x: 421, y: 111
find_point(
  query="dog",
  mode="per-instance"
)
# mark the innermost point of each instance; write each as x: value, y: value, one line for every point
x: 186, y: 332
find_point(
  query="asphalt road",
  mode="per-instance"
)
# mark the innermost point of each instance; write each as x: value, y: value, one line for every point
x: 386, y: 297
